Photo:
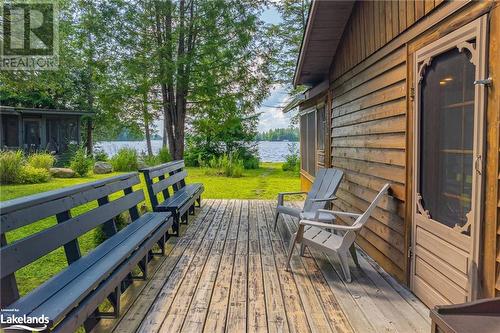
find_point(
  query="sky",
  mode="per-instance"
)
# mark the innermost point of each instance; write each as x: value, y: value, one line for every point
x: 271, y: 114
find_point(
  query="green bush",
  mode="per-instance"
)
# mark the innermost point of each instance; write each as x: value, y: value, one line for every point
x: 121, y: 222
x: 28, y: 174
x: 64, y: 160
x: 81, y: 163
x: 41, y: 160
x: 249, y: 156
x: 150, y: 160
x: 10, y: 166
x: 125, y: 160
x: 100, y: 156
x: 228, y: 166
x: 292, y: 160
x: 164, y: 155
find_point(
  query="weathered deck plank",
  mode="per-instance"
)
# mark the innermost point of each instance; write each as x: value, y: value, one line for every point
x: 227, y: 274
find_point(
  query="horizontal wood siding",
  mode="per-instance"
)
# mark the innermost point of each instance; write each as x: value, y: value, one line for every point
x: 369, y: 86
x: 368, y: 143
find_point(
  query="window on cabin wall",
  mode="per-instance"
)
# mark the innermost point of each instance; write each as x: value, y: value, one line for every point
x: 321, y: 126
x: 10, y: 131
x: 308, y: 142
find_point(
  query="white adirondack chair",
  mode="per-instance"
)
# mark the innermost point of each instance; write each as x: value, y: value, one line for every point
x: 319, y: 234
x: 325, y: 185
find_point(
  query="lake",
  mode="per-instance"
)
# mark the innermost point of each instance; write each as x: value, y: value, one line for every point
x: 269, y: 151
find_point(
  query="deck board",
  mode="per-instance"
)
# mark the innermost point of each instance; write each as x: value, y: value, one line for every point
x: 227, y: 274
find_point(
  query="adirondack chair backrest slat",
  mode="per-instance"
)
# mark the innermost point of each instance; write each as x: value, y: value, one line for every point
x: 350, y: 236
x: 325, y: 185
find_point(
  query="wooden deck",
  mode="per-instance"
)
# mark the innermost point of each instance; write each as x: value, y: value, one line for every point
x: 226, y: 274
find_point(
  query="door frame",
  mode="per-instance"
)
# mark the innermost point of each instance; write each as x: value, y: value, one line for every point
x: 422, y: 58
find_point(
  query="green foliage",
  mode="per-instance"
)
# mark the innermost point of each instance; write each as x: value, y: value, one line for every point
x: 41, y: 160
x: 125, y: 160
x: 164, y: 155
x: 28, y: 174
x: 226, y: 165
x: 10, y: 166
x: 81, y: 163
x: 292, y: 159
x: 100, y: 155
x: 64, y: 160
x: 121, y: 222
x: 150, y: 160
x: 279, y: 134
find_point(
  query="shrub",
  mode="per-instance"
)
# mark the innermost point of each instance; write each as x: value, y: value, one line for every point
x: 164, y: 155
x: 125, y: 160
x: 64, y: 160
x: 249, y: 156
x: 292, y: 160
x: 41, y: 160
x: 28, y: 174
x: 100, y: 155
x: 81, y: 163
x: 150, y: 160
x: 229, y: 166
x: 10, y: 166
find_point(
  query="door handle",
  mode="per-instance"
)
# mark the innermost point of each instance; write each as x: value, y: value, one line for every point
x: 478, y: 165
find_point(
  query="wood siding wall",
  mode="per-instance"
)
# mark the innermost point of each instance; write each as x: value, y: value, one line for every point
x: 371, y: 117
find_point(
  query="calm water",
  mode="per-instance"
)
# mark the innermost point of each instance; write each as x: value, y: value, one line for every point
x: 268, y: 151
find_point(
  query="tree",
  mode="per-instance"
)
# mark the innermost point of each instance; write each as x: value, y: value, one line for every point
x: 287, y: 35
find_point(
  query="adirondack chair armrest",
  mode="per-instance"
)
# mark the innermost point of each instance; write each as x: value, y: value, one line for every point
x: 292, y: 193
x: 328, y: 225
x: 324, y: 199
x: 336, y: 212
x: 281, y: 195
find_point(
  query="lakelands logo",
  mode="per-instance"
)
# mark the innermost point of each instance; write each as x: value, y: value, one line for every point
x: 24, y: 323
x: 29, y: 37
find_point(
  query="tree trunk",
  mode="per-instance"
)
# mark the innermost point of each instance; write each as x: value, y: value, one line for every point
x: 145, y: 115
x: 90, y: 143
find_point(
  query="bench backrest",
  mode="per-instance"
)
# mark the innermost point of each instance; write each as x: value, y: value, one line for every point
x: 161, y: 177
x: 32, y: 209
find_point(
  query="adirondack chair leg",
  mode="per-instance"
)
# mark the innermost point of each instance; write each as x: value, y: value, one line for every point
x: 290, y: 251
x: 276, y: 220
x: 344, y: 263
x: 302, y: 249
x: 354, y: 254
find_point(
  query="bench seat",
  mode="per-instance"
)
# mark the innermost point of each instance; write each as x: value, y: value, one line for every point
x: 79, y: 283
x: 182, y: 199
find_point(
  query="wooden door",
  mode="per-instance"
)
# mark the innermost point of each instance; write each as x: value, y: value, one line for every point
x: 448, y: 149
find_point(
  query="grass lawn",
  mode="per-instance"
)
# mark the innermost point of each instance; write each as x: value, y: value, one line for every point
x: 263, y: 183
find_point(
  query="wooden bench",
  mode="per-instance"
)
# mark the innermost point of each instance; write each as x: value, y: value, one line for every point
x: 72, y: 297
x: 181, y: 199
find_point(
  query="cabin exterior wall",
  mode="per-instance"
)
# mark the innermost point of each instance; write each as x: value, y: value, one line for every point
x: 371, y: 109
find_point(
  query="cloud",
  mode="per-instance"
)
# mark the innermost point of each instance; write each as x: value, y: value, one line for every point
x: 272, y: 115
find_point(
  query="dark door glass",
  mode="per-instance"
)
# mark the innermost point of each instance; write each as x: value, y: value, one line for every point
x: 32, y: 134
x: 446, y: 137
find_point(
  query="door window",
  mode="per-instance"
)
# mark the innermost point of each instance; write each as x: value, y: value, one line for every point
x: 446, y: 137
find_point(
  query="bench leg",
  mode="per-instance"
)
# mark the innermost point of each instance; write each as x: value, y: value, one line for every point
x: 184, y: 218
x: 191, y: 210
x: 175, y: 226
x: 92, y: 321
x: 199, y: 201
